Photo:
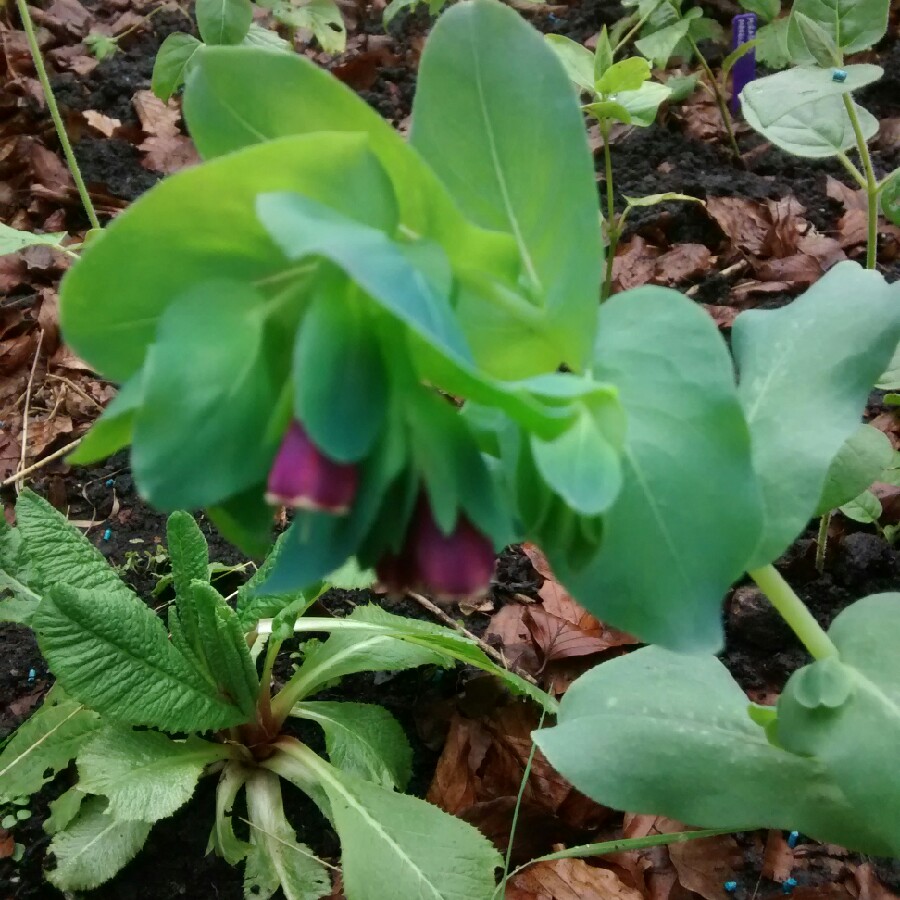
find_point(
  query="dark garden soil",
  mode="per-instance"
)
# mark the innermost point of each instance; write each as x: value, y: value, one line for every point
x: 723, y: 270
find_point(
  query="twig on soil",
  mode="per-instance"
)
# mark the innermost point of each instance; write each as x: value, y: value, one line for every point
x: 40, y: 464
x: 449, y: 621
x: 34, y: 362
x: 734, y: 269
x: 77, y: 389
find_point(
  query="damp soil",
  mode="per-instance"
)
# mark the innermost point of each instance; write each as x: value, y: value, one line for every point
x: 760, y: 652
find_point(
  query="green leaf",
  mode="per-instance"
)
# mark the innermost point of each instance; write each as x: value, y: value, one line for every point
x: 348, y: 652
x: 197, y: 444
x: 627, y: 75
x: 253, y: 604
x: 633, y: 107
x: 577, y: 60
x: 240, y: 97
x: 812, y: 363
x: 276, y: 859
x: 12, y: 240
x: 59, y: 554
x: 322, y: 17
x: 664, y: 563
x: 817, y: 130
x: 775, y: 96
x: 63, y: 809
x: 222, y: 839
x: 202, y: 221
x: 112, y: 431
x: 855, y: 726
x: 889, y: 380
x: 583, y: 465
x: 815, y: 40
x: 172, y: 63
x: 854, y: 25
x: 675, y: 738
x: 188, y: 552
x: 382, y: 831
x: 94, y: 847
x: 114, y: 655
x: 890, y: 199
x: 266, y: 39
x: 856, y: 466
x: 44, y: 744
x: 472, y: 130
x: 865, y: 509
x: 145, y: 775
x: 223, y: 21
x: 362, y: 739
x: 765, y: 9
x: 659, y: 46
x: 771, y: 44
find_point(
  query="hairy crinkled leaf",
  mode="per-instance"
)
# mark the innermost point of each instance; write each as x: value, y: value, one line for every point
x: 362, y: 739
x: 44, y: 744
x: 276, y: 859
x: 222, y: 838
x: 143, y: 774
x: 475, y: 110
x: 188, y: 552
x: 63, y: 809
x: 671, y: 543
x: 59, y: 554
x: 93, y: 847
x: 115, y: 656
x: 675, y: 738
x: 812, y: 363
x: 428, y: 853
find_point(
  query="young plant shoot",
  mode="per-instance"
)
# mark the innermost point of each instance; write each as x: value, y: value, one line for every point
x: 328, y: 286
x: 145, y: 714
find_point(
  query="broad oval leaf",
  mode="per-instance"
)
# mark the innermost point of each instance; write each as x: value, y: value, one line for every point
x: 854, y: 25
x: 223, y: 21
x: 488, y: 122
x: 671, y: 543
x: 172, y: 63
x: 811, y: 363
x: 857, y: 465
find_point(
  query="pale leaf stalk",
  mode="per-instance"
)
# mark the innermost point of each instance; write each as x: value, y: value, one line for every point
x: 792, y: 609
x: 822, y: 542
x: 871, y: 184
x: 53, y: 109
x: 720, y: 98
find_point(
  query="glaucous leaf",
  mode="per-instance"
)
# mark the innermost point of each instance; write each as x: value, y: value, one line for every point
x: 857, y: 465
x: 812, y: 363
x: 854, y: 25
x: 666, y: 560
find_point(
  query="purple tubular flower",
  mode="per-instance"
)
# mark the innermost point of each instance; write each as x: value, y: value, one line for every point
x: 303, y: 477
x: 458, y: 564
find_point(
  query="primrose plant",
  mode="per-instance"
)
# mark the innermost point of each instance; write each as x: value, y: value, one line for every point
x: 619, y: 92
x: 329, y: 287
x: 809, y: 110
x: 145, y: 714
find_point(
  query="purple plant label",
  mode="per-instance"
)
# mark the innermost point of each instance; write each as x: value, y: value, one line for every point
x: 743, y: 29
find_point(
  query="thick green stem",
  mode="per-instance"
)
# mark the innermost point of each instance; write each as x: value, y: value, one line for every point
x: 41, y: 70
x: 720, y: 98
x: 822, y: 542
x: 265, y: 684
x: 613, y: 230
x: 794, y: 612
x: 871, y: 183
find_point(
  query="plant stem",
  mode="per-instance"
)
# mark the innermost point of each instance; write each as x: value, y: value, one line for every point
x: 720, y: 98
x: 265, y: 683
x: 794, y: 612
x: 871, y: 183
x: 822, y: 542
x: 613, y: 229
x: 41, y: 70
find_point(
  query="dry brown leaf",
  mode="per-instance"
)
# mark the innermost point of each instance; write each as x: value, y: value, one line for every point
x: 102, y: 124
x: 165, y: 148
x: 705, y: 865
x: 681, y: 263
x: 794, y: 271
x: 870, y: 888
x: 42, y: 433
x: 634, y: 264
x: 568, y: 879
x: 7, y: 844
x: 723, y: 316
x: 745, y: 222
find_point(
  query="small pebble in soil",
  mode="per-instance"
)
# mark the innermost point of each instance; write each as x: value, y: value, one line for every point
x: 107, y: 534
x: 110, y: 482
x: 793, y: 837
x: 788, y: 885
x: 31, y: 675
x: 730, y: 886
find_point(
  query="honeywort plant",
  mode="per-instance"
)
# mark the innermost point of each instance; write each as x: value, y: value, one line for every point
x: 319, y: 270
x: 145, y: 714
x: 620, y: 92
x: 809, y: 110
